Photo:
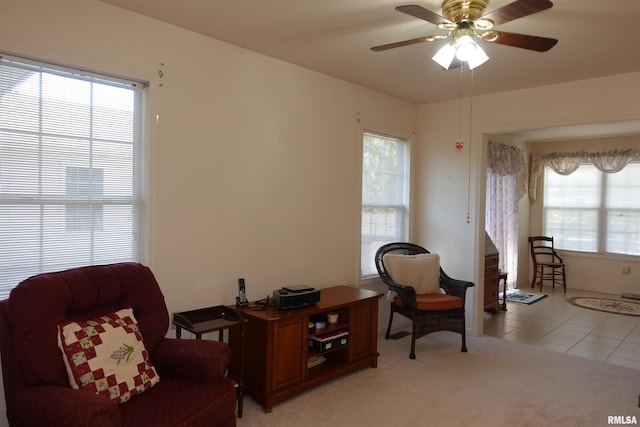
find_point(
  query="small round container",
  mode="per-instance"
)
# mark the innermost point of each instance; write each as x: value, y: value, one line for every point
x: 332, y: 318
x: 320, y: 324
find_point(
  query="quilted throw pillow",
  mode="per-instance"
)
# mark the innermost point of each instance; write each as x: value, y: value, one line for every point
x: 421, y: 271
x: 106, y: 355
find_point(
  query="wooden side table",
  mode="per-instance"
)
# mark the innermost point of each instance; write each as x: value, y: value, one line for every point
x: 212, y: 319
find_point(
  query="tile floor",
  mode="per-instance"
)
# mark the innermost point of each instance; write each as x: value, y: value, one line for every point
x: 555, y: 324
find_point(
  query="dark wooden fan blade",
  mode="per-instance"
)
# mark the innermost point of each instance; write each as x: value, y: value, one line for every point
x: 540, y: 44
x: 422, y: 13
x: 399, y: 44
x: 517, y: 9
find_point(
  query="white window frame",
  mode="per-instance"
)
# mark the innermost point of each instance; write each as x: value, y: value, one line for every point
x: 54, y: 119
x: 397, y: 209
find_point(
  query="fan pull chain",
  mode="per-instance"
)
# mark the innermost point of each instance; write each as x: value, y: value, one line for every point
x: 460, y: 107
x: 469, y: 153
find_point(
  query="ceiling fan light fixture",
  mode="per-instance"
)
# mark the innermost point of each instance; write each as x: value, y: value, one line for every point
x: 463, y: 49
x: 445, y: 55
x: 467, y: 18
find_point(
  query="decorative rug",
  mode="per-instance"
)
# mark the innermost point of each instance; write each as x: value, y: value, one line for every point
x: 515, y: 295
x: 607, y: 305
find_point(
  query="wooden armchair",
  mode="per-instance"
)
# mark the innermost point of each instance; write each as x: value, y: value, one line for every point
x: 429, y: 312
x: 547, y: 264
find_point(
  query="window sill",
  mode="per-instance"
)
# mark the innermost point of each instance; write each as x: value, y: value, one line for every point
x: 599, y: 255
x: 370, y: 282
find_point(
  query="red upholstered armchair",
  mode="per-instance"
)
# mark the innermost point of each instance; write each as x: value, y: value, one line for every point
x: 193, y: 389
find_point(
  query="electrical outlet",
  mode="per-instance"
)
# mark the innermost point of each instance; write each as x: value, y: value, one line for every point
x: 626, y: 269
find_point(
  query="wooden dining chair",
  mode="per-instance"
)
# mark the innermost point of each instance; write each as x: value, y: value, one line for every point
x: 547, y: 264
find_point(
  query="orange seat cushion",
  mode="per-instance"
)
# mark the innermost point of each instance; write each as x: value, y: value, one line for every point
x: 434, y: 302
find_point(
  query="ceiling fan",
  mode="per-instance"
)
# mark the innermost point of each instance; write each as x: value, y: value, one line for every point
x: 466, y: 20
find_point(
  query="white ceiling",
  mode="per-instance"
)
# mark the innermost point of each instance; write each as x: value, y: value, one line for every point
x: 334, y: 37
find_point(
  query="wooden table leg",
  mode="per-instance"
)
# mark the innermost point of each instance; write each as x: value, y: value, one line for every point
x: 503, y: 276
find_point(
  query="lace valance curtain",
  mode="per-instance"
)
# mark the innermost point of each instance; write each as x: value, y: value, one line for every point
x: 507, y: 160
x: 566, y: 163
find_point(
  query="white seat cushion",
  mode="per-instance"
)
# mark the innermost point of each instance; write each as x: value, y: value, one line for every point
x: 421, y: 271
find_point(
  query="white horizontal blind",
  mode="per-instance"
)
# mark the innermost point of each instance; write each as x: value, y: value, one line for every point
x: 70, y: 169
x: 385, y: 195
x: 622, y: 207
x: 572, y: 208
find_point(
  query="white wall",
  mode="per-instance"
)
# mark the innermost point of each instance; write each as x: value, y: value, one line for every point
x: 253, y: 164
x: 443, y: 177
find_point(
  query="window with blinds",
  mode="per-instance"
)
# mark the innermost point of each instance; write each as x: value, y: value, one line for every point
x: 594, y: 211
x: 385, y: 195
x: 71, y: 182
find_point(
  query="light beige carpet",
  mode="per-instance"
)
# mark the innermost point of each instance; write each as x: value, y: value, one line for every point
x: 497, y: 383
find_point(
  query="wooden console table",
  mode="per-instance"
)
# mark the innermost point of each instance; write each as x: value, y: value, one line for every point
x: 213, y: 319
x: 279, y: 363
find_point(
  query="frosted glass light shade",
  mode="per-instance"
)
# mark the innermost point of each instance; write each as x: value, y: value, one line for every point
x: 465, y: 48
x: 445, y: 55
x: 479, y: 58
